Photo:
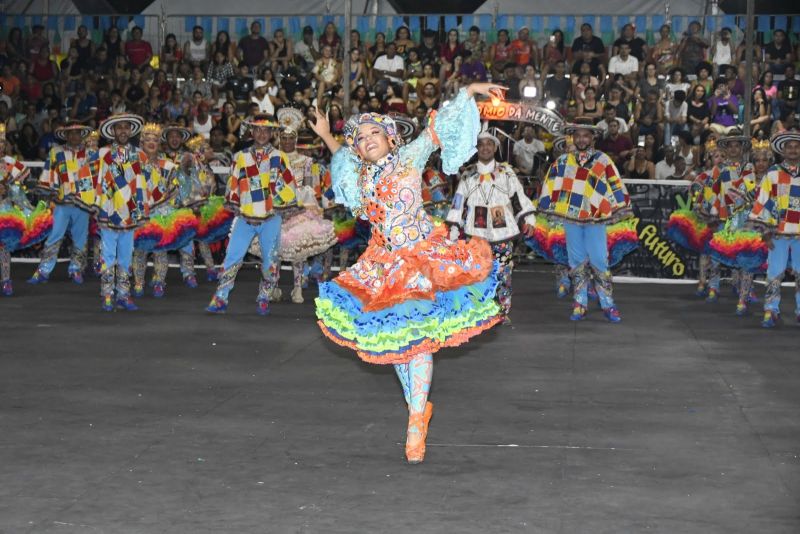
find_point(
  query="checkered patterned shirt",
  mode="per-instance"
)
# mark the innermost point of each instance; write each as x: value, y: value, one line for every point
x: 70, y: 176
x: 124, y: 195
x: 777, y: 205
x: 727, y: 189
x: 260, y: 182
x: 588, y: 193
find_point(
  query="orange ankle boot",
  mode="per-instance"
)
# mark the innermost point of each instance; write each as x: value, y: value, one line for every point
x: 417, y: 433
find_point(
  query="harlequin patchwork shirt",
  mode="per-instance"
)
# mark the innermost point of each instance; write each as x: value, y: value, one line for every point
x: 260, y: 182
x: 777, y: 204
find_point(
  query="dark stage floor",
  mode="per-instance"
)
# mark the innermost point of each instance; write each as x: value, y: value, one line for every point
x: 682, y: 419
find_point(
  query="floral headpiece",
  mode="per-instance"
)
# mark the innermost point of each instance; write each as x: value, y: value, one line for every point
x: 384, y: 122
x: 196, y: 143
x: 152, y: 129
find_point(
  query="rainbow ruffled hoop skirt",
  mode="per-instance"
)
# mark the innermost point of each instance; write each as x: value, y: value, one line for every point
x: 392, y: 305
x: 214, y: 221
x: 169, y: 231
x: 687, y: 230
x: 549, y: 241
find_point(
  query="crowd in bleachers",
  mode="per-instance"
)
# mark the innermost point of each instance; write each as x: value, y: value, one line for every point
x: 659, y: 104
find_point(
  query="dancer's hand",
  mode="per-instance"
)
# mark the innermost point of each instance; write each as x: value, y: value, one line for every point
x: 321, y: 125
x: 487, y: 89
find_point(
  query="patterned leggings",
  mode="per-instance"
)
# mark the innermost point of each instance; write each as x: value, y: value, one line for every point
x: 415, y: 377
x: 503, y: 254
x: 5, y: 264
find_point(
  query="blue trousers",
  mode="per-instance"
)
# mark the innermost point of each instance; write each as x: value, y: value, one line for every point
x: 242, y: 234
x: 777, y: 262
x: 117, y: 248
x: 587, y: 244
x: 72, y: 219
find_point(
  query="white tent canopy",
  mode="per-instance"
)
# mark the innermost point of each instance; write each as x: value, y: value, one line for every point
x: 592, y: 7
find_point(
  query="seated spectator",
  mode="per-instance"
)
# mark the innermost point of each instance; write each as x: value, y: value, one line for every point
x: 526, y: 150
x: 453, y: 83
x: 475, y: 45
x: 85, y: 47
x: 558, y: 87
x: 306, y: 52
x: 403, y: 42
x: 778, y: 53
x: 666, y: 167
x: 703, y: 79
x: 103, y: 66
x: 761, y: 120
x: 723, y: 51
x: 196, y: 50
x: 767, y: 83
x: 388, y: 68
x: 262, y: 99
x: 648, y: 117
x: 687, y: 151
x: 524, y: 51
x: 430, y: 96
x: 392, y: 101
x: 415, y: 71
x: 529, y: 80
x: 610, y: 116
x: 82, y: 105
x: 590, y: 49
x: 176, y: 107
x: 220, y: 71
x: 664, y: 51
x: 10, y: 83
x: 512, y: 80
x: 197, y: 84
x: 15, y: 45
x: 230, y: 122
x: 638, y: 167
x: 624, y: 63
x: 202, y: 122
x: 553, y: 52
x: 447, y: 54
x: 676, y: 82
x: 788, y: 94
x: 619, y: 147
x: 698, y: 114
x: 589, y: 109
x: 472, y: 70
x: 71, y: 72
x: 675, y: 112
x: 281, y: 50
x: 293, y: 83
x: 377, y: 49
x: 330, y: 37
x: 637, y: 45
x: 36, y: 42
x: 224, y: 44
x: 328, y: 70
x: 724, y: 107
x: 500, y: 54
x: 113, y: 44
x: 28, y: 142
x: 616, y: 100
x: 692, y: 48
x: 681, y: 171
x: 240, y: 86
x: 583, y: 80
x: 42, y: 68
x: 253, y: 48
x: 154, y: 105
x: 135, y: 90
x: 138, y: 52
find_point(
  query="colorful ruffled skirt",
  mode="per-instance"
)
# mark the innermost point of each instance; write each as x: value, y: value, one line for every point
x: 686, y: 229
x: 19, y: 230
x: 305, y: 234
x: 550, y: 241
x: 351, y: 233
x: 172, y: 230
x: 214, y: 221
x: 393, y: 305
x: 739, y: 248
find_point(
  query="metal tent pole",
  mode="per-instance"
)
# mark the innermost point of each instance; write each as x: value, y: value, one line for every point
x: 748, y: 79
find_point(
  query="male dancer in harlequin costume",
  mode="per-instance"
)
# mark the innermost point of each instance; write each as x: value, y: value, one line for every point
x: 306, y: 233
x: 490, y: 203
x: 12, y: 222
x: 159, y: 173
x: 584, y: 190
x: 259, y: 185
x: 123, y: 199
x: 727, y: 196
x: 188, y: 194
x: 776, y: 211
x: 413, y: 291
x: 70, y: 177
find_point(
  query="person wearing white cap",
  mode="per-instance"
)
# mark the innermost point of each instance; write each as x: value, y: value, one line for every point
x: 70, y: 177
x: 584, y: 191
x: 123, y: 198
x: 490, y: 203
x: 262, y: 97
x: 776, y: 211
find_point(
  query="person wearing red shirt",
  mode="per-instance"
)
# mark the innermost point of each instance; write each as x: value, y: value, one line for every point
x: 138, y: 52
x: 524, y: 51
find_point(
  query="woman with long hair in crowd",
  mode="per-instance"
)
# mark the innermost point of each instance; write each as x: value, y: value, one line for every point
x: 553, y: 52
x: 663, y: 52
x: 500, y: 54
x: 448, y: 52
